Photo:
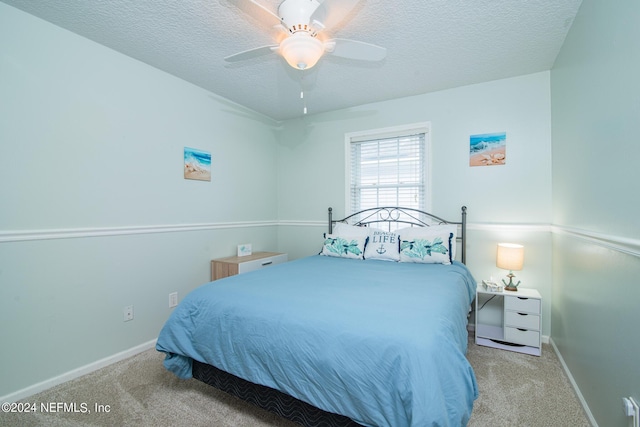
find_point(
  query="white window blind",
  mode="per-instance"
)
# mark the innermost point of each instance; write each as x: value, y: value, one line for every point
x: 388, y: 171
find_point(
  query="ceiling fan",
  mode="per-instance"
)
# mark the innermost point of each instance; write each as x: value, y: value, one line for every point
x: 304, y: 23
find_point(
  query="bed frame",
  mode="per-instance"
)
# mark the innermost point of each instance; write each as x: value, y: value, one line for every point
x: 287, y: 406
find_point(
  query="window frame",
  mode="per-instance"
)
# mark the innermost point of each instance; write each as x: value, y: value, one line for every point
x: 389, y: 132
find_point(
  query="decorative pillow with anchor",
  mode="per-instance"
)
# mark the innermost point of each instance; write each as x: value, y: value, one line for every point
x: 383, y: 245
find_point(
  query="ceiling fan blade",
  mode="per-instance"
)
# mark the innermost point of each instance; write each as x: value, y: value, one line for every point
x: 252, y: 53
x: 353, y: 49
x: 258, y: 11
x: 331, y: 12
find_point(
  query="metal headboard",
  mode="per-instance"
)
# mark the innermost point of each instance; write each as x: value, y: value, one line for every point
x: 402, y: 217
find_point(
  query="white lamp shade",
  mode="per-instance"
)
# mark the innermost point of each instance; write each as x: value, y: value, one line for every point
x: 301, y: 51
x: 510, y: 256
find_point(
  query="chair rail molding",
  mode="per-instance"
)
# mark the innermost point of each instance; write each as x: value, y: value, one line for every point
x: 72, y: 233
x: 626, y: 245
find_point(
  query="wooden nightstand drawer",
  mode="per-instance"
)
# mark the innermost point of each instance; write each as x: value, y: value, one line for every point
x: 522, y: 304
x: 522, y: 320
x: 524, y: 337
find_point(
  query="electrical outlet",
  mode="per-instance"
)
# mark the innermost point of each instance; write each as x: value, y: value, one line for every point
x: 173, y: 299
x: 128, y: 313
x: 631, y: 409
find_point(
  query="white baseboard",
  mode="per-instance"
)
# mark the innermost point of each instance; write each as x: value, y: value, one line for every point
x: 76, y: 373
x: 575, y: 386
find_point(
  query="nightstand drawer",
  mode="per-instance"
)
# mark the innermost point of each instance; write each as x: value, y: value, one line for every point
x: 257, y: 264
x: 230, y: 266
x: 522, y: 320
x: 525, y: 305
x: 517, y: 336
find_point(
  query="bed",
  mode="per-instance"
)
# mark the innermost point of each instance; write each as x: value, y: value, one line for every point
x: 356, y: 335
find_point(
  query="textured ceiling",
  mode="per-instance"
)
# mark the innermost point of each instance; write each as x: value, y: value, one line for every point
x: 431, y: 45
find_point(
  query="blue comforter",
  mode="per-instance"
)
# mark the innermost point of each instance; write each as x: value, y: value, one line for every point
x: 383, y: 343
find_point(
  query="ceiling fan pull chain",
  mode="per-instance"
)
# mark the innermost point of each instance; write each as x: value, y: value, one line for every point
x: 304, y: 103
x: 304, y: 100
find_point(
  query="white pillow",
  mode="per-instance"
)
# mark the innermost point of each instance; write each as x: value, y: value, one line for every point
x: 344, y: 246
x: 383, y: 245
x: 342, y: 229
x: 433, y: 245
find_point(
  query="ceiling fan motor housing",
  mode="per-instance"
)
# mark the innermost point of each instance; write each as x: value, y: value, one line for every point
x: 296, y: 14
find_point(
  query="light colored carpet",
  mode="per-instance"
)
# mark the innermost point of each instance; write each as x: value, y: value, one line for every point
x: 515, y: 390
x: 522, y: 390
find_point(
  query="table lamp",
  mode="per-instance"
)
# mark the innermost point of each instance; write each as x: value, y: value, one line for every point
x: 510, y: 257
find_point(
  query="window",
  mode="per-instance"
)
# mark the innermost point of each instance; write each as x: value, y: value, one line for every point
x: 388, y: 168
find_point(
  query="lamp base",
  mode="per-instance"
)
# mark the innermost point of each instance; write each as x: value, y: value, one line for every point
x: 513, y: 287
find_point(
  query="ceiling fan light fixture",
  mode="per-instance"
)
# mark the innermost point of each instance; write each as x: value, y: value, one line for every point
x: 301, y: 50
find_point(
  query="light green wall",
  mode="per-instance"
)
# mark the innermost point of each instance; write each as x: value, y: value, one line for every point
x: 518, y: 192
x: 88, y: 128
x: 596, y: 107
x: 91, y: 143
x: 506, y: 203
x: 595, y: 113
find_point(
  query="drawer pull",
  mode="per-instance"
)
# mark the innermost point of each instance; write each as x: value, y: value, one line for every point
x: 264, y: 264
x: 522, y: 298
x: 523, y: 330
x: 523, y: 314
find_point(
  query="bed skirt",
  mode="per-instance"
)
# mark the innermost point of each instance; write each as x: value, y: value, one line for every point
x: 269, y: 399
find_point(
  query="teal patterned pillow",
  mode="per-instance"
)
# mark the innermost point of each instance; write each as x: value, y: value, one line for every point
x: 344, y: 246
x: 432, y: 245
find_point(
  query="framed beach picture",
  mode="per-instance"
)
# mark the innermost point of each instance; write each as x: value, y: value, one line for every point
x: 197, y: 164
x: 488, y: 149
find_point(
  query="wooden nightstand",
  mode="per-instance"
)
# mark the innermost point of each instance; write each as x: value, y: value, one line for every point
x: 230, y: 266
x: 509, y: 320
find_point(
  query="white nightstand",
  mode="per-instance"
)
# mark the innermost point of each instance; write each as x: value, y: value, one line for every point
x: 230, y: 266
x: 509, y: 320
